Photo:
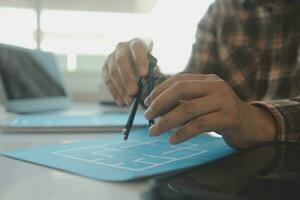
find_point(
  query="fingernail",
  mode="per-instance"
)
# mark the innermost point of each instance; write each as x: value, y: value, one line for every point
x: 173, y: 140
x: 148, y: 113
x: 142, y: 70
x: 132, y: 88
x: 153, y: 130
x: 119, y: 102
x: 147, y: 101
x: 128, y: 100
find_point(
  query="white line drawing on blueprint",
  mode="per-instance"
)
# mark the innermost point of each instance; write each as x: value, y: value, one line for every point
x: 133, y: 155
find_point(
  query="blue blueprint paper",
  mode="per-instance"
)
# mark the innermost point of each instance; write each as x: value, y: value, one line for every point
x: 112, y: 159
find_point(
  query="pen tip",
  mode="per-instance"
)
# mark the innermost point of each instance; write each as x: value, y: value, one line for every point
x: 125, y: 133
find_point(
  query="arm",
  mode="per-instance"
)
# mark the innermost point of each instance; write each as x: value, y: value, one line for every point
x: 204, y: 59
x: 200, y: 100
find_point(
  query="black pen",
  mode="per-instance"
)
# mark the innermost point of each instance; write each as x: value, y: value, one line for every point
x: 136, y: 100
x: 133, y: 109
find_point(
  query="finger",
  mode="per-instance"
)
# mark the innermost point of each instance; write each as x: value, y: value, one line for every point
x: 114, y: 92
x: 156, y: 72
x: 185, y: 112
x: 109, y: 83
x: 172, y: 96
x: 139, y: 53
x: 148, y: 43
x: 105, y: 68
x: 122, y: 90
x: 206, y: 123
x: 125, y: 69
x: 171, y: 81
x: 118, y: 84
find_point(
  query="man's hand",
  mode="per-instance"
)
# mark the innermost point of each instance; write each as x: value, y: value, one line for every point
x: 203, y: 103
x: 123, y: 67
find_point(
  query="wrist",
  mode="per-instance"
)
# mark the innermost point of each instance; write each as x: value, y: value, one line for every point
x: 263, y: 124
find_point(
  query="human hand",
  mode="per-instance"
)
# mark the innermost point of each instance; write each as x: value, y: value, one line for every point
x: 123, y: 67
x: 202, y: 103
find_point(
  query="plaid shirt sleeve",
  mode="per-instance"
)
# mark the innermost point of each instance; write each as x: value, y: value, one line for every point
x: 287, y: 116
x: 204, y: 57
x: 280, y: 96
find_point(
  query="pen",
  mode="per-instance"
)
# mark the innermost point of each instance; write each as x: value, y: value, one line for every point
x: 133, y: 109
x: 136, y: 100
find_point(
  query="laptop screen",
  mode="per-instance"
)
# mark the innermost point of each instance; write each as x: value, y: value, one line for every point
x: 29, y: 74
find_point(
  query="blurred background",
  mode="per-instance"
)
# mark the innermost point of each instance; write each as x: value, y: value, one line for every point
x: 81, y: 33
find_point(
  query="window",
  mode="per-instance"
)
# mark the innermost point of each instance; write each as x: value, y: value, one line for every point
x: 82, y: 39
x: 18, y: 26
x: 97, y: 33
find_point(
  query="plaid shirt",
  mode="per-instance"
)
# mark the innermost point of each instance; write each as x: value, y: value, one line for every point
x: 254, y: 45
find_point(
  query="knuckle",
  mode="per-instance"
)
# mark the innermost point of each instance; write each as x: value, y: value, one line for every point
x: 219, y: 87
x: 213, y: 76
x: 137, y: 43
x: 189, y: 107
x: 179, y: 86
x: 178, y: 76
x: 121, y: 45
x: 136, y: 39
x: 220, y: 84
x: 173, y: 78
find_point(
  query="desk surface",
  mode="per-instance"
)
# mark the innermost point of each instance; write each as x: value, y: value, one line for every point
x: 20, y: 180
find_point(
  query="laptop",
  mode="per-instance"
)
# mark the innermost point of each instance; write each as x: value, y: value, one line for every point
x: 31, y: 81
x: 33, y: 88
